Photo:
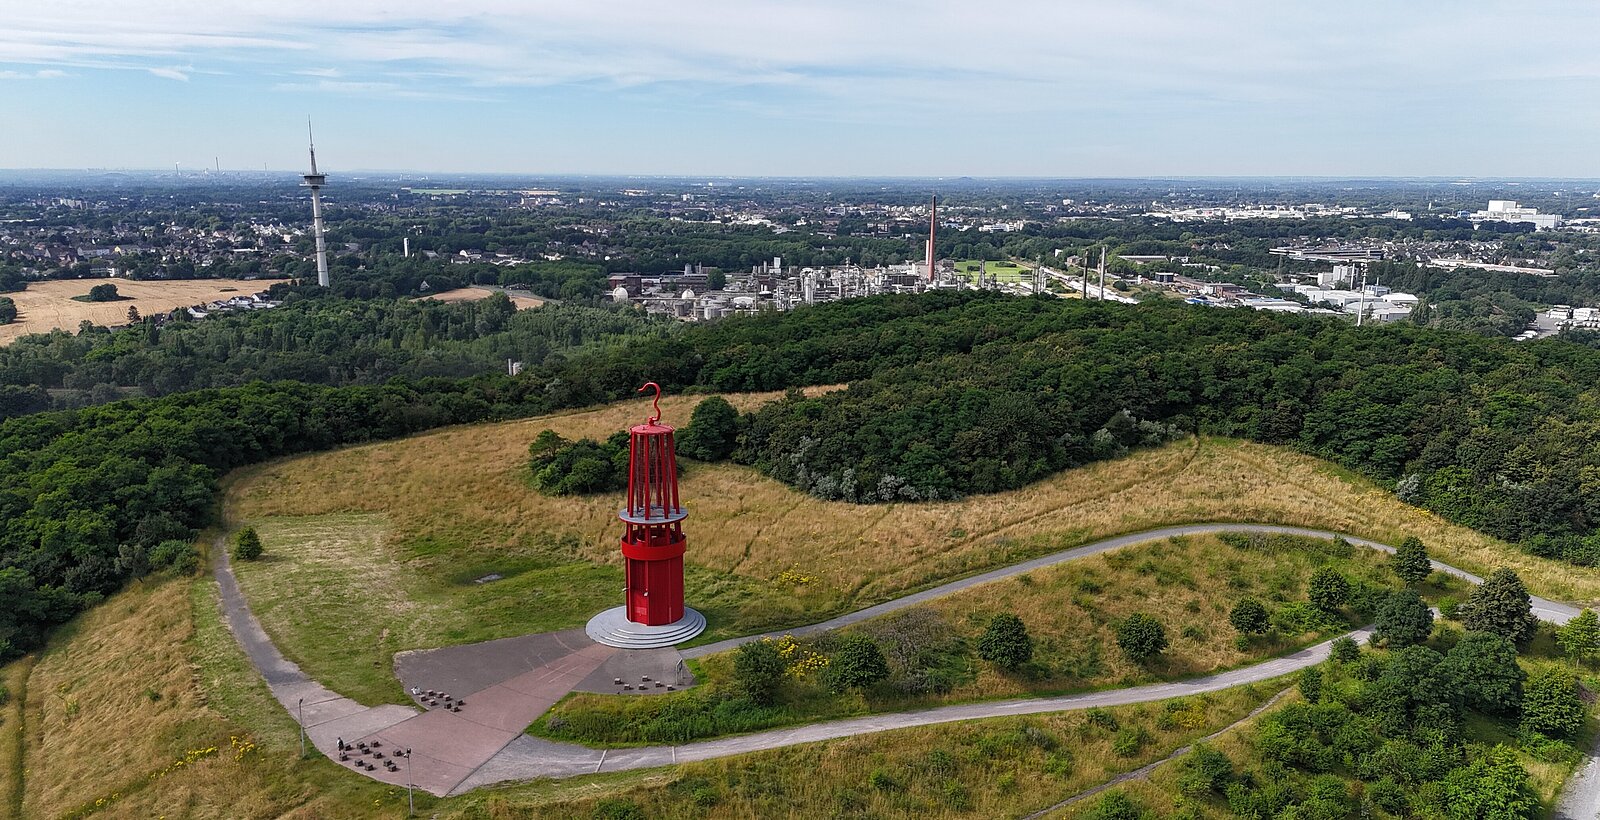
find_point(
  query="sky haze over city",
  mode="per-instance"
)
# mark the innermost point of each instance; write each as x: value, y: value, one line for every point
x: 1006, y: 88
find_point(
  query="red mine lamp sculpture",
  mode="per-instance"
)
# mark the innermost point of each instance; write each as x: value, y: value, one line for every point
x: 652, y: 547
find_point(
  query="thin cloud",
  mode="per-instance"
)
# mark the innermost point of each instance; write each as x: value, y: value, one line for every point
x: 41, y: 74
x: 169, y: 73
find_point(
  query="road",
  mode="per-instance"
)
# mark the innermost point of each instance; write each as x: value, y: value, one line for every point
x: 525, y: 758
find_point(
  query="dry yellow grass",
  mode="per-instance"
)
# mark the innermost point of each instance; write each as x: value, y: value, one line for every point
x: 14, y: 681
x: 48, y: 305
x: 1003, y: 767
x: 474, y: 294
x: 467, y: 485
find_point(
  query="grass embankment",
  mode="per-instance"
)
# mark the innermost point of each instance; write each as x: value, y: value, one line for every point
x: 116, y: 752
x: 444, y: 508
x: 991, y: 768
x: 145, y: 707
x: 1071, y: 611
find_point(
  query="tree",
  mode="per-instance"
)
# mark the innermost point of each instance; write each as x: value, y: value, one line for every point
x: 1141, y: 636
x: 1311, y: 684
x: 1249, y: 617
x: 713, y: 431
x: 1500, y: 605
x: 857, y: 664
x: 1580, y: 637
x: 1328, y: 590
x: 247, y: 544
x: 758, y: 671
x: 133, y: 315
x: 1485, y: 670
x: 1551, y: 703
x: 1006, y: 642
x: 104, y: 293
x: 1344, y: 650
x: 8, y: 310
x: 1403, y: 619
x: 1411, y: 562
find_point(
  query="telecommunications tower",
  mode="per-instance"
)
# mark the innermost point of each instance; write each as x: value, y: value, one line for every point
x: 315, y: 181
x: 933, y: 226
x: 652, y: 547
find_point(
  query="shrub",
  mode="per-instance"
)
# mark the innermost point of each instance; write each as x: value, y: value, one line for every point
x: 1100, y: 717
x: 713, y: 431
x: 1127, y: 742
x: 1328, y: 590
x: 247, y: 545
x: 1141, y: 637
x: 1005, y: 642
x: 857, y: 664
x: 1580, y: 637
x: 1403, y: 620
x: 1500, y: 605
x: 1116, y: 805
x: 178, y: 556
x: 1551, y: 704
x: 1410, y: 561
x: 1311, y: 684
x: 1249, y: 617
x: 1344, y: 650
x: 617, y: 808
x: 758, y: 671
x: 1205, y: 771
x: 562, y: 467
x: 1485, y: 667
x: 880, y: 780
x: 1495, y: 786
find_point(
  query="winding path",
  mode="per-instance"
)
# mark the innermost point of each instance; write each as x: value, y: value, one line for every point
x: 503, y: 753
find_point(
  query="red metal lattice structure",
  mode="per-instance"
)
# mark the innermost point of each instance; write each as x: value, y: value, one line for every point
x: 652, y: 540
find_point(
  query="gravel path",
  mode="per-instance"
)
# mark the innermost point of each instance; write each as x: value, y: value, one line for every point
x: 525, y: 758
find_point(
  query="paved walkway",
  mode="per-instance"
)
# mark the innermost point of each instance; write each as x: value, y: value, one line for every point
x: 509, y: 683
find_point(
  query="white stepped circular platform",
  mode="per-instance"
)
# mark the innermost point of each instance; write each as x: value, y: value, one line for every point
x: 613, y: 628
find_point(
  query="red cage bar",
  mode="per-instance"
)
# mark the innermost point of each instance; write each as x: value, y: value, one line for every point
x: 652, y: 539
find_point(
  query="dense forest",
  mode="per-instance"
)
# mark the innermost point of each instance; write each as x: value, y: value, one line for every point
x: 320, y: 340
x: 950, y: 393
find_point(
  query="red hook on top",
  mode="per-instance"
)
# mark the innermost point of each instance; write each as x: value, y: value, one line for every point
x: 657, y: 402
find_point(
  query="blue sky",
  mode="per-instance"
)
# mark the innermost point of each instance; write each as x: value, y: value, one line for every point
x: 1003, y: 87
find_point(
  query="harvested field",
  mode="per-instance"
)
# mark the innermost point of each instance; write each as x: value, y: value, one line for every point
x: 45, y: 306
x: 474, y: 294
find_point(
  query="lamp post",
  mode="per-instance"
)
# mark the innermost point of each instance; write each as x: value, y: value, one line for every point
x: 302, y: 708
x: 411, y: 808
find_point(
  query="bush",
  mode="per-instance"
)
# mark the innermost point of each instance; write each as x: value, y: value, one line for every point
x: 617, y: 808
x: 713, y: 431
x: 1552, y: 705
x: 1344, y: 650
x: 1403, y: 620
x: 1116, y: 805
x: 562, y: 467
x: 179, y: 556
x: 1100, y: 717
x: 1311, y: 684
x: 758, y: 671
x: 247, y: 545
x: 1205, y: 771
x: 1328, y: 590
x: 1249, y: 617
x: 1127, y: 742
x: 857, y: 664
x: 1141, y: 637
x: 1485, y: 667
x: 1005, y: 642
x: 104, y: 293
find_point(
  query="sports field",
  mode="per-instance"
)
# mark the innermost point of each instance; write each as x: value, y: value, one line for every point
x: 45, y: 306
